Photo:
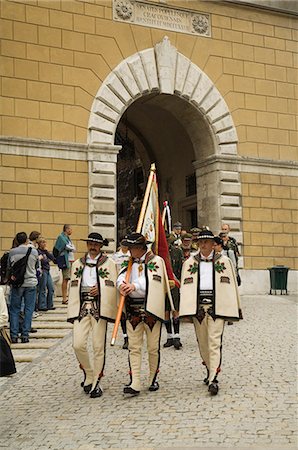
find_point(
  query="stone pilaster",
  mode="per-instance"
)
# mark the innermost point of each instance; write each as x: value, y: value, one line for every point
x: 102, y: 160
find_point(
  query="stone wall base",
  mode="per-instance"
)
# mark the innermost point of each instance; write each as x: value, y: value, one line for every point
x: 258, y: 282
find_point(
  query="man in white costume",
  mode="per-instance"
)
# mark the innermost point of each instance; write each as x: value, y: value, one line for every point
x: 145, y: 293
x: 92, y: 303
x: 209, y: 293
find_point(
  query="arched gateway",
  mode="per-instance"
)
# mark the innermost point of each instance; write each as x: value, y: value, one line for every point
x: 179, y: 120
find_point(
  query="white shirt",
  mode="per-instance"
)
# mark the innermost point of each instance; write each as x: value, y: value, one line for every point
x: 137, y: 277
x: 89, y: 278
x: 206, y: 274
x: 119, y: 257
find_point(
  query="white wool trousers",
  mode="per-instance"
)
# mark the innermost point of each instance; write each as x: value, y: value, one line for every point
x: 209, y: 335
x: 81, y: 331
x: 135, y: 344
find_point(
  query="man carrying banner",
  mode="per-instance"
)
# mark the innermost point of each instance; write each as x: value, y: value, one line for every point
x: 145, y: 293
x: 92, y: 302
x: 209, y: 293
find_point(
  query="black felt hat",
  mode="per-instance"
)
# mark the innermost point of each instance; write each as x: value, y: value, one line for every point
x: 96, y: 237
x: 134, y: 240
x: 206, y: 234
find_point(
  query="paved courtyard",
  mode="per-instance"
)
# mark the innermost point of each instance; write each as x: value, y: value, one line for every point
x: 43, y: 406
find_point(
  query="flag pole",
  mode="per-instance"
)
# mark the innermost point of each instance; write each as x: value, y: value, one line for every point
x: 129, y: 267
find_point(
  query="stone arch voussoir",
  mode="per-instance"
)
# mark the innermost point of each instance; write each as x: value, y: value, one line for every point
x: 160, y: 69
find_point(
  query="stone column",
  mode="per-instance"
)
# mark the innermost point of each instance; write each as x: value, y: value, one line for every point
x: 102, y: 161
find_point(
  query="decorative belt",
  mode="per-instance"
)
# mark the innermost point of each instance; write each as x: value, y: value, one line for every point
x: 135, y: 305
x: 206, y: 297
x: 86, y: 297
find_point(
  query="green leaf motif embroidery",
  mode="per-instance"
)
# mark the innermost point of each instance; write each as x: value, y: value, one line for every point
x: 152, y: 266
x: 219, y: 267
x: 193, y: 268
x: 103, y: 273
x: 79, y: 272
x: 124, y: 264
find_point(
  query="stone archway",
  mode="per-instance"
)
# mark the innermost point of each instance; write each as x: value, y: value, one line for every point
x: 163, y: 70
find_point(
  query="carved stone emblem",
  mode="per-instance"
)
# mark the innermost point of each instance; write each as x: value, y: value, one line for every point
x: 200, y: 24
x: 124, y: 9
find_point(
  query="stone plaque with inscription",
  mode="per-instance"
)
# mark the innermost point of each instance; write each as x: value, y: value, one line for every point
x: 165, y: 17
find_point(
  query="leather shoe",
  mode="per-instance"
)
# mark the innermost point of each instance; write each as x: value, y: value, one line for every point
x: 213, y: 388
x: 87, y: 388
x: 154, y: 387
x: 169, y: 343
x: 33, y: 330
x: 125, y: 345
x: 42, y: 309
x: 24, y: 340
x: 177, y: 343
x: 14, y: 340
x: 96, y: 392
x: 129, y: 391
x: 52, y: 308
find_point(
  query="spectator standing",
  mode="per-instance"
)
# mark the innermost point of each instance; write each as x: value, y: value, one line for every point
x: 186, y: 246
x: 33, y: 237
x: 27, y: 291
x: 176, y: 234
x: 231, y: 241
x: 195, y: 231
x: 7, y: 364
x: 45, y: 283
x: 65, y: 247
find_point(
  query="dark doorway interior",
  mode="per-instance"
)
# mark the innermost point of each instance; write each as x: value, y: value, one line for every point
x: 130, y: 185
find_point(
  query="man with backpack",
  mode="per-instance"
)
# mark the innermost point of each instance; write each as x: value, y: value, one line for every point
x: 22, y: 264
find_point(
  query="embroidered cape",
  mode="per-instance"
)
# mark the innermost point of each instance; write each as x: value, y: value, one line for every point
x: 225, y: 301
x: 106, y: 281
x: 157, y: 286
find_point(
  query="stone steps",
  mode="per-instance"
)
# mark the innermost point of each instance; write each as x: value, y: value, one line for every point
x: 51, y: 326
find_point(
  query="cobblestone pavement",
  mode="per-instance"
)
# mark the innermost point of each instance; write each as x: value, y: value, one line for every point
x: 43, y: 407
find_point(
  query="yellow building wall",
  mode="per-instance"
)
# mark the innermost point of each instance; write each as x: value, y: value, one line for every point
x: 55, y: 56
x: 43, y: 194
x: 270, y: 220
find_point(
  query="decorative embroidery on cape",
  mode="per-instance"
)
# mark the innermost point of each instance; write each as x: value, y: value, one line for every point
x: 225, y: 280
x: 124, y: 264
x: 193, y: 268
x: 103, y: 273
x: 74, y: 283
x: 157, y: 278
x: 152, y: 266
x: 79, y: 272
x: 219, y: 267
x: 109, y: 283
x: 188, y: 280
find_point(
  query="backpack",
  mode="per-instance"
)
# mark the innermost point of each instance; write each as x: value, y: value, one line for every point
x: 3, y: 268
x: 18, y: 270
x: 55, y: 252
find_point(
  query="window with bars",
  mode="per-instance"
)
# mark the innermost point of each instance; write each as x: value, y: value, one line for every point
x: 190, y: 185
